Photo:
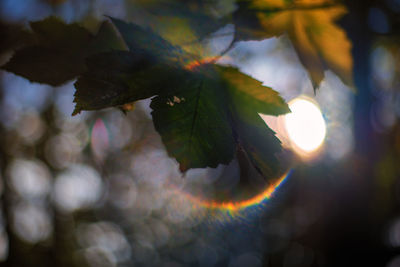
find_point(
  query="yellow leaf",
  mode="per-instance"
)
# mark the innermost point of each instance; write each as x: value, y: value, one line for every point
x: 310, y: 25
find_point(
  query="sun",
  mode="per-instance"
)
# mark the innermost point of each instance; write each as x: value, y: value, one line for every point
x: 305, y: 126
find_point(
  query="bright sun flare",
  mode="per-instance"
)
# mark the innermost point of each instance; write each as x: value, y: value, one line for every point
x: 305, y: 125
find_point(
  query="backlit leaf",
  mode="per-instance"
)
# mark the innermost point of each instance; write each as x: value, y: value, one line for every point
x: 251, y: 94
x: 257, y: 140
x: 253, y: 136
x: 310, y: 25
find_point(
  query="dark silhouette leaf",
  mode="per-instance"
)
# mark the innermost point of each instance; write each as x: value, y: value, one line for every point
x: 13, y: 36
x: 59, y: 51
x: 120, y: 77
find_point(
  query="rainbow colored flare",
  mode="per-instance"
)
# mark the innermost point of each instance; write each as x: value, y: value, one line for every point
x: 237, y: 207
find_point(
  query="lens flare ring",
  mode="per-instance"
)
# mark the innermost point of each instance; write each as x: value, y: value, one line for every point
x: 231, y: 210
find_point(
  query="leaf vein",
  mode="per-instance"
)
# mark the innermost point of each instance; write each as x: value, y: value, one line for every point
x: 195, y: 115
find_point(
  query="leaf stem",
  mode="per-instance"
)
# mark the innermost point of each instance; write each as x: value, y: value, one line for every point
x: 229, y: 47
x: 195, y: 114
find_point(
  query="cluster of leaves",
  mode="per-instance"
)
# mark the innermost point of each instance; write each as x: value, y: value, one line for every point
x: 204, y: 112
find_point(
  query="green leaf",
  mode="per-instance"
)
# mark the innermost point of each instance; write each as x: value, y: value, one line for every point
x: 248, y: 98
x: 193, y: 122
x: 59, y: 51
x: 257, y: 140
x: 120, y: 77
x: 251, y: 94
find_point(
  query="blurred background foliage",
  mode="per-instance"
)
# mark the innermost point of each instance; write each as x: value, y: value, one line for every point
x: 95, y: 189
